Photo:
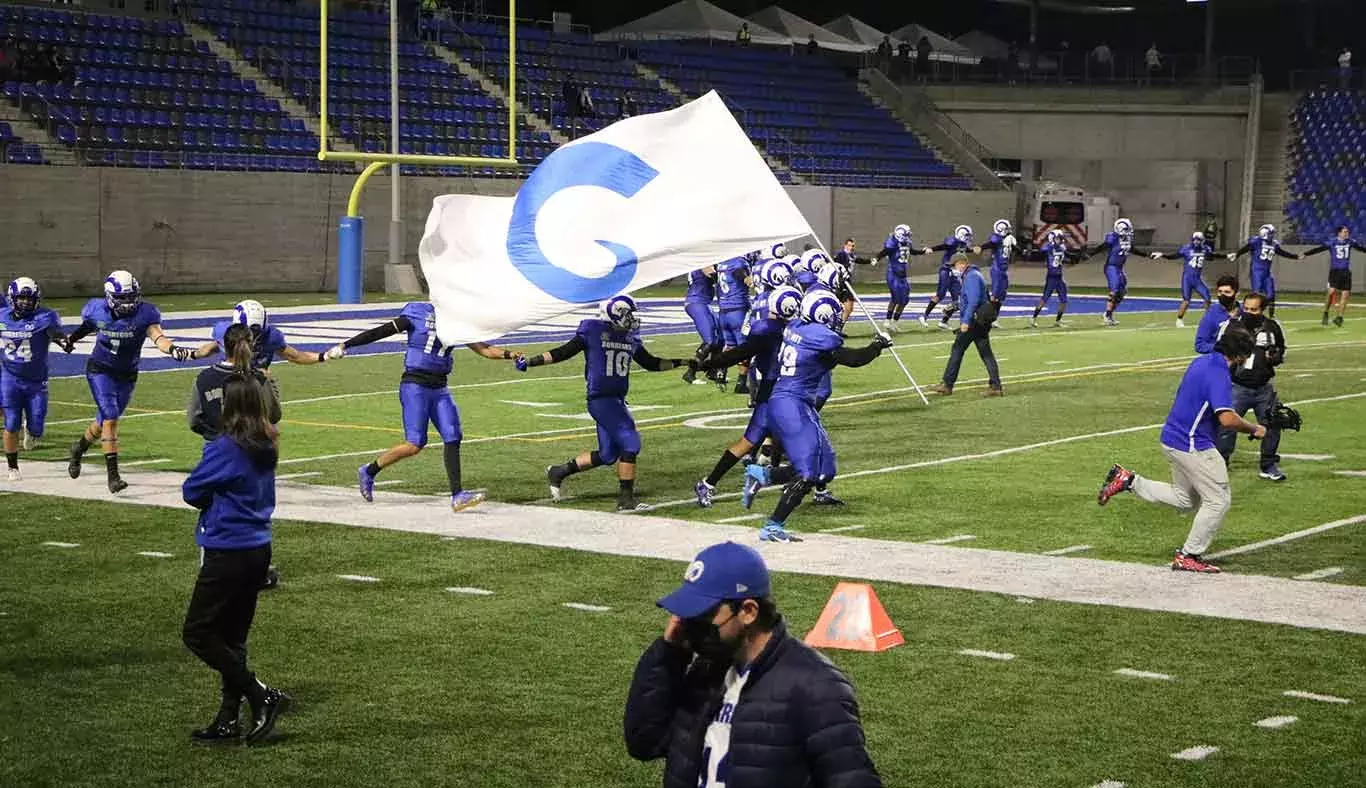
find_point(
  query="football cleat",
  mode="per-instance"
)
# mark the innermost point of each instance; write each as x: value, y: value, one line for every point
x: 465, y: 499
x: 1337, y: 321
x: 756, y: 476
x: 1117, y: 481
x: 690, y: 375
x: 1272, y: 472
x: 272, y: 579
x: 1110, y: 321
x: 923, y: 322
x: 1325, y: 319
x: 73, y: 464
x: 704, y: 493
x: 15, y: 475
x: 630, y: 504
x: 366, y: 483
x: 30, y: 442
x: 742, y: 385
x: 1033, y: 322
x: 555, y: 478
x: 1180, y: 323
x: 1192, y: 563
x: 117, y: 485
x: 826, y: 498
x: 775, y: 532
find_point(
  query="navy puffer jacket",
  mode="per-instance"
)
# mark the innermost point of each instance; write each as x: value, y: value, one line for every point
x: 796, y: 724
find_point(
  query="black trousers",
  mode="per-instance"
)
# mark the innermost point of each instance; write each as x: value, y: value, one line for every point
x: 980, y: 335
x: 221, y: 611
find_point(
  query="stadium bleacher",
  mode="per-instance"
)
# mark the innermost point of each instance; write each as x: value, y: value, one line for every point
x: 1327, y: 184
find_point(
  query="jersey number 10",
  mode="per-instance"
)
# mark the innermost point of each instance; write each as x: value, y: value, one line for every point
x: 618, y: 363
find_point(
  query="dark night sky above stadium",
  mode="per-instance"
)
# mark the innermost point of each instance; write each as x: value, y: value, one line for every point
x: 1309, y: 30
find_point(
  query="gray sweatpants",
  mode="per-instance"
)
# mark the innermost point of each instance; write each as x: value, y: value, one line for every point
x: 1196, y: 476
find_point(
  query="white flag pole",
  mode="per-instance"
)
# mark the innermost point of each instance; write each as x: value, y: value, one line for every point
x: 876, y: 327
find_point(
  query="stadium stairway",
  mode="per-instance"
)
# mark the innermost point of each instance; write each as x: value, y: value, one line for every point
x: 493, y: 89
x: 917, y: 112
x: 1269, y: 194
x: 244, y: 69
x: 31, y: 131
x: 654, y: 77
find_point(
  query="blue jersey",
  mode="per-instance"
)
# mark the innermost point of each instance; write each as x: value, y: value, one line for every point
x: 608, y: 353
x: 701, y: 288
x: 26, y: 342
x: 1340, y: 253
x: 758, y: 310
x: 1262, y: 252
x: 898, y: 256
x: 1118, y: 254
x: 263, y: 350
x: 1054, y: 255
x: 118, y: 341
x: 1194, y: 255
x: 1000, y: 256
x: 953, y: 247
x: 730, y: 281
x: 425, y: 353
x: 804, y: 360
x: 767, y: 333
x: 1206, y: 389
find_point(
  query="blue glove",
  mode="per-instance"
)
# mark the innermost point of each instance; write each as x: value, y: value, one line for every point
x: 521, y: 363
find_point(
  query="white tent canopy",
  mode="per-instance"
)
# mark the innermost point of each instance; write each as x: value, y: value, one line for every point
x: 692, y: 19
x: 985, y: 45
x: 943, y: 48
x: 799, y: 30
x: 855, y: 29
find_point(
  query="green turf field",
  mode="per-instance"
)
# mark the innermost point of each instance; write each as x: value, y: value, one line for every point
x: 401, y: 683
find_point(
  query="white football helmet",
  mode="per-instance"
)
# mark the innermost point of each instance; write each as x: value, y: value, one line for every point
x: 775, y: 273
x: 785, y: 302
x: 1124, y: 227
x: 814, y: 260
x: 1267, y: 231
x: 963, y: 233
x: 1001, y: 227
x: 251, y: 314
x: 1197, y: 237
x: 832, y: 277
x: 902, y: 233
x: 23, y: 295
x: 777, y: 251
x: 620, y: 311
x: 122, y: 293
x: 1054, y: 237
x: 821, y: 306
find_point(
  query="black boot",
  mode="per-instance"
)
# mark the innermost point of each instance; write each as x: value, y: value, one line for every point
x: 224, y: 729
x: 265, y: 711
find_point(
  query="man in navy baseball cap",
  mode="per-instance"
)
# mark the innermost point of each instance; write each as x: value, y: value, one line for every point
x: 777, y: 709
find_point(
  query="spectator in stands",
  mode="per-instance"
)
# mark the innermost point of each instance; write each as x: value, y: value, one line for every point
x: 628, y: 106
x: 9, y: 54
x: 1105, y: 61
x: 742, y: 35
x: 1152, y: 60
x: 923, y: 48
x: 903, y: 60
x: 811, y: 46
x: 884, y: 56
x: 1345, y: 69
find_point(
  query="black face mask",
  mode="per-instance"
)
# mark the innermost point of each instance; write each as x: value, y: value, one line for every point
x: 706, y: 639
x: 1253, y: 322
x: 1228, y: 302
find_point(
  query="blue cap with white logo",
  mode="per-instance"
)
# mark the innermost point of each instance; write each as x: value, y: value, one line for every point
x: 722, y: 572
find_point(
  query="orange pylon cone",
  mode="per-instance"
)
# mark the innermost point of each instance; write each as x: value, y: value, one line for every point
x: 854, y: 619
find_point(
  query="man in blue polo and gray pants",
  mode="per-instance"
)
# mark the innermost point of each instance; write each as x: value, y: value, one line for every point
x: 728, y: 698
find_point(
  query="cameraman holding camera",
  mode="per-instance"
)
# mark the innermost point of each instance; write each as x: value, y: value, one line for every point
x: 1252, y: 387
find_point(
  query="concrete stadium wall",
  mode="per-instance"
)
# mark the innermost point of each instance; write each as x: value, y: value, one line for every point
x: 868, y: 215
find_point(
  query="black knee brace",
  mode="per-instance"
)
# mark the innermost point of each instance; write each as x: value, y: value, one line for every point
x: 627, y: 456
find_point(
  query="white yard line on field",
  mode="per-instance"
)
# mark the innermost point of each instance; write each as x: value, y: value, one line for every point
x: 1290, y: 537
x: 1321, y: 574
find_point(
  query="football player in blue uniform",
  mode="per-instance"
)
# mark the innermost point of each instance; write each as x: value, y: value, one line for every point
x: 811, y: 348
x: 1194, y: 254
x: 1118, y: 245
x: 121, y: 322
x: 609, y: 343
x: 267, y: 340
x: 424, y: 396
x: 698, y: 304
x: 898, y: 249
x: 960, y: 241
x: 1055, y: 255
x: 1263, y: 249
x: 27, y: 330
x: 732, y: 285
x: 1001, y: 244
x: 762, y: 342
x: 1339, y: 271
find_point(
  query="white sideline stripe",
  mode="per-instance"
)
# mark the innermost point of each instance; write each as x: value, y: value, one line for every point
x: 529, y: 404
x: 144, y: 462
x: 1076, y: 548
x: 1024, y: 600
x: 61, y: 544
x: 742, y: 518
x: 469, y: 590
x: 998, y: 655
x: 1315, y: 696
x: 984, y: 455
x: 587, y: 608
x: 1054, y: 363
x: 388, y: 482
x: 359, y: 578
x: 1109, y: 784
x: 1358, y: 474
x: 1320, y: 574
x: 303, y: 475
x: 1290, y: 537
x: 1309, y: 457
x: 1276, y: 722
x: 842, y: 529
x: 1199, y: 753
x: 1305, y: 375
x: 951, y: 539
x: 155, y: 554
x: 1143, y: 674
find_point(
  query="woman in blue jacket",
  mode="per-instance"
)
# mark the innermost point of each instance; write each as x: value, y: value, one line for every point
x: 233, y: 487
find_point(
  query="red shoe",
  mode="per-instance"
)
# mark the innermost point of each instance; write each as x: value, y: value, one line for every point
x: 1116, y: 481
x: 1192, y: 563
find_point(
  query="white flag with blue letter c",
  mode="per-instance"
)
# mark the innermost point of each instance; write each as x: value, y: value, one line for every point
x: 641, y: 201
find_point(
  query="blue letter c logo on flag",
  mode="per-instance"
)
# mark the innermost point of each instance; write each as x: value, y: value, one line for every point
x: 585, y: 164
